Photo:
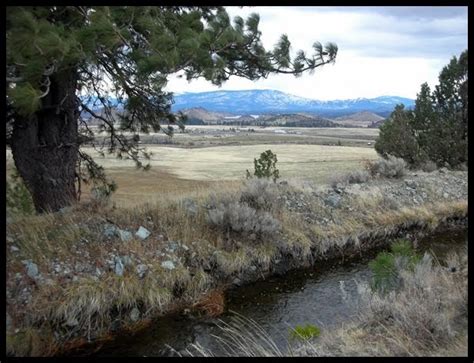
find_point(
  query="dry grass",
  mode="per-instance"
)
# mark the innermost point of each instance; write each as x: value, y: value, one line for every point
x: 314, y: 162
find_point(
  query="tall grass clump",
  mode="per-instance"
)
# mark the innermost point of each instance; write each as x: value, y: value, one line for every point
x: 392, y: 167
x: 353, y: 177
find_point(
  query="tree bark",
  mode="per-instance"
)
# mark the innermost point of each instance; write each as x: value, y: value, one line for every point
x: 45, y: 148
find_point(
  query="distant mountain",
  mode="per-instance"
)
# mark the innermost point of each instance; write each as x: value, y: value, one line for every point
x: 270, y: 101
x: 359, y: 119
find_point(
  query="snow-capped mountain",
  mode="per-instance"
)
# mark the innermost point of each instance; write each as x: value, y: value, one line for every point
x: 271, y: 101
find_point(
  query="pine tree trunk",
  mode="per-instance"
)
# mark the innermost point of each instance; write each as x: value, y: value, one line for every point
x: 44, y: 145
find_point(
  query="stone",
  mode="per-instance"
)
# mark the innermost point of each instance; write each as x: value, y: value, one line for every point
x: 65, y: 210
x: 135, y: 314
x: 110, y: 230
x: 125, y: 236
x: 119, y: 267
x: 31, y: 269
x: 169, y: 265
x: 72, y: 322
x: 253, y: 268
x: 184, y: 247
x: 142, y: 233
x: 236, y: 282
x: 10, y: 239
x: 333, y: 200
x: 172, y: 247
x: 191, y: 207
x: 445, y: 195
x: 126, y: 260
x: 410, y: 183
x: 141, y: 270
x: 14, y: 249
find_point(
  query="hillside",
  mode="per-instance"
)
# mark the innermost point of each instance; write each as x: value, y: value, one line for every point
x: 359, y: 119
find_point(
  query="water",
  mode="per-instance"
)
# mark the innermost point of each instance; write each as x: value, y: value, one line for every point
x: 300, y: 297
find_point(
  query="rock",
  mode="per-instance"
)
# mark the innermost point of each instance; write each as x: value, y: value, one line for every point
x: 10, y: 239
x: 333, y: 200
x: 236, y: 282
x: 172, y: 247
x: 65, y: 210
x: 119, y: 267
x: 141, y: 270
x: 191, y: 207
x: 169, y: 265
x: 135, y: 314
x: 143, y: 233
x: 31, y: 268
x: 410, y: 183
x: 14, y: 249
x: 253, y: 268
x: 127, y: 260
x: 160, y: 237
x: 184, y: 247
x: 110, y: 230
x: 124, y: 235
x: 445, y: 195
x: 72, y: 322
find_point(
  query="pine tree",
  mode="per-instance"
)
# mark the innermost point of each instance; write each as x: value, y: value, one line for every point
x: 436, y: 129
x: 64, y: 62
x: 397, y: 137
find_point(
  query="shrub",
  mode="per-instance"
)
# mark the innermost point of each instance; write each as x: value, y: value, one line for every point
x: 234, y: 217
x: 429, y: 166
x: 392, y: 167
x: 260, y: 194
x: 386, y: 266
x: 353, y: 177
x: 305, y: 332
x: 265, y: 166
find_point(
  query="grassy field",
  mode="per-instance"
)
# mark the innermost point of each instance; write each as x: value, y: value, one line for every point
x: 177, y: 171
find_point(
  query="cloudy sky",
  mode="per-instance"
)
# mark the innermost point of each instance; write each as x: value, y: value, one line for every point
x: 382, y: 50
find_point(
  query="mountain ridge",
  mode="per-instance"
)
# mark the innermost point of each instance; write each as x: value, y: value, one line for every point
x: 272, y: 101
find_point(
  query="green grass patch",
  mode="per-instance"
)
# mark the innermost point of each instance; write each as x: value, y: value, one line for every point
x: 305, y: 332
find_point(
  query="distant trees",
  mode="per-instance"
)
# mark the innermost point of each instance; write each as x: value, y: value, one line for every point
x: 436, y: 129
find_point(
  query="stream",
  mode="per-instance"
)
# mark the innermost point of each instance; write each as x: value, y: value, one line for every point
x: 306, y: 296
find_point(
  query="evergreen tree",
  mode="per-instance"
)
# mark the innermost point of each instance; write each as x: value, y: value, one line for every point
x: 436, y: 130
x: 64, y: 62
x: 397, y: 137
